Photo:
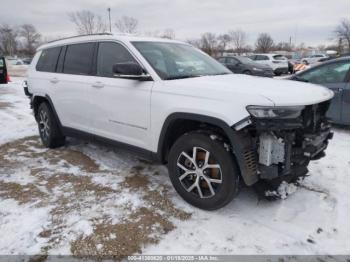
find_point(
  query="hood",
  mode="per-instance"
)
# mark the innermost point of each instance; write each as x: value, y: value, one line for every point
x: 249, y: 90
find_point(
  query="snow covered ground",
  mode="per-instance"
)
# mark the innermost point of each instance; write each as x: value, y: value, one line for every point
x: 87, y: 199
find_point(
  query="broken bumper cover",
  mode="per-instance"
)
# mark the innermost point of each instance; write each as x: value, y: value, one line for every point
x: 284, y: 147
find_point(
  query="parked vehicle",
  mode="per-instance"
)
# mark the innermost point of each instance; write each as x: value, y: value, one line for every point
x: 244, y: 65
x: 334, y: 74
x: 27, y: 61
x: 278, y: 63
x: 313, y: 59
x: 3, y: 71
x: 174, y: 104
x: 15, y: 62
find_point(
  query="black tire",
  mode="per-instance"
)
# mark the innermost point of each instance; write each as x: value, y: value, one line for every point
x: 228, y: 171
x: 50, y: 133
x: 278, y: 74
x: 247, y: 72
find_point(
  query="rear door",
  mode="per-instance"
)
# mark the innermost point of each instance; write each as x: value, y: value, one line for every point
x: 71, y: 85
x: 3, y: 71
x: 334, y: 76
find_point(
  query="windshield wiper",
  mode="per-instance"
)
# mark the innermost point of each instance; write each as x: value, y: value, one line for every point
x: 181, y: 77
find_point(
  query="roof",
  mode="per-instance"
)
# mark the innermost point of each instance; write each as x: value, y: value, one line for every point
x: 104, y: 36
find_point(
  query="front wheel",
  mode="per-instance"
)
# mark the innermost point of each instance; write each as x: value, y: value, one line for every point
x: 203, y: 171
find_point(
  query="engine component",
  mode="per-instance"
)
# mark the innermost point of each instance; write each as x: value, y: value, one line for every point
x: 271, y: 149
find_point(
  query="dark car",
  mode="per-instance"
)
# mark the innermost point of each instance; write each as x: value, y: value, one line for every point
x: 244, y: 65
x: 3, y: 71
x: 334, y: 74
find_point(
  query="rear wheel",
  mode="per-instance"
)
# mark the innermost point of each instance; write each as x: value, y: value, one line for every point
x: 247, y: 72
x: 203, y: 171
x: 50, y: 133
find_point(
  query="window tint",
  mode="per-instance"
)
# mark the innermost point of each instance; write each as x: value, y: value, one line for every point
x: 232, y: 61
x: 78, y: 59
x: 110, y: 54
x: 331, y: 73
x: 48, y: 60
x: 279, y: 57
x: 1, y: 62
x: 222, y: 60
x: 261, y: 57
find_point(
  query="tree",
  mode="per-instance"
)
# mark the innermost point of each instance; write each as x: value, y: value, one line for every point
x: 343, y: 32
x: 127, y: 25
x: 224, y: 40
x: 264, y: 43
x: 8, y: 40
x: 238, y: 40
x: 31, y: 38
x: 209, y: 43
x: 168, y: 33
x: 87, y: 23
x: 284, y: 46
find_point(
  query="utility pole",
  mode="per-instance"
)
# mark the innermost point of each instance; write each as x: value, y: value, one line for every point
x: 109, y: 17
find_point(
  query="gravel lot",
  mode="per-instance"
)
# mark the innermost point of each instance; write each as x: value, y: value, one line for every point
x: 87, y: 199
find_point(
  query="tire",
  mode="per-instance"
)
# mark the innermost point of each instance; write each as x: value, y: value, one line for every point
x: 222, y: 168
x: 50, y: 133
x: 247, y: 72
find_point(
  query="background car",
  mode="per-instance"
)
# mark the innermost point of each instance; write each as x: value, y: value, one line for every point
x: 313, y: 59
x: 278, y: 63
x: 334, y: 74
x: 244, y: 65
x: 3, y: 71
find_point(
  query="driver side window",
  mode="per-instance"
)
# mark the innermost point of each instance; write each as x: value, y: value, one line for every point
x: 327, y: 74
x: 232, y: 61
x: 109, y: 54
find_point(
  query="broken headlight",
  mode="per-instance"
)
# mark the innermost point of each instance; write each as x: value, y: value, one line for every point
x: 287, y: 112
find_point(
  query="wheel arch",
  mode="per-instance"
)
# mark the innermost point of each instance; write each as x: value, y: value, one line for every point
x: 37, y: 100
x: 239, y: 142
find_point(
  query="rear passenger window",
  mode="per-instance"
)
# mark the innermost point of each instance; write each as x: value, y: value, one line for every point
x: 78, y: 59
x: 48, y: 60
x: 110, y: 54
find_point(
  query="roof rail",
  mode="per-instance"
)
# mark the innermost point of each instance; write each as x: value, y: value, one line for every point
x: 65, y: 38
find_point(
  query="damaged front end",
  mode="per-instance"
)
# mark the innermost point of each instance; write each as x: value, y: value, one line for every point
x: 283, y: 140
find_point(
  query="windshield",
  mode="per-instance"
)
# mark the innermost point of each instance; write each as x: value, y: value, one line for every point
x: 176, y: 60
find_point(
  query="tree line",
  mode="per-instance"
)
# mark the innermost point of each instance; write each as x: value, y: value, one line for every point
x: 24, y: 39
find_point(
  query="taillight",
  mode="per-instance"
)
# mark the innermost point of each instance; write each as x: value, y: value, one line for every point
x: 8, y: 78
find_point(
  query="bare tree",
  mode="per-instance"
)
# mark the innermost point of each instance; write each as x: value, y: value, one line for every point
x: 238, y: 40
x: 209, y: 43
x: 264, y: 43
x: 31, y: 38
x: 127, y: 25
x: 343, y: 31
x: 284, y: 46
x: 224, y: 40
x: 87, y: 23
x: 8, y: 40
x: 168, y: 33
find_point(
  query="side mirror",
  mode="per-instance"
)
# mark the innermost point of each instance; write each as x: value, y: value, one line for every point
x: 130, y: 70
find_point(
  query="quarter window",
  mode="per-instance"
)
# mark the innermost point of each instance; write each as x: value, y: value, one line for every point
x: 110, y: 54
x: 48, y: 60
x: 78, y: 59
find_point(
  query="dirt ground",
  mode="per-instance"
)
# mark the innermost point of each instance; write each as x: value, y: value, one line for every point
x: 56, y: 183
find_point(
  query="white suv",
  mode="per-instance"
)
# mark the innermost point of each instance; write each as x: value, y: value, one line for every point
x: 172, y: 103
x: 313, y: 59
x: 278, y: 63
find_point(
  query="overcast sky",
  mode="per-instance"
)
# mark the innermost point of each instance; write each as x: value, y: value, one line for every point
x: 308, y: 21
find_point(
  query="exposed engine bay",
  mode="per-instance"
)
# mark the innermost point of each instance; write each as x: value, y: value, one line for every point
x: 283, y: 148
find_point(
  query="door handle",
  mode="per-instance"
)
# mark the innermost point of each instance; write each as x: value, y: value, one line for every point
x: 98, y: 85
x: 54, y: 80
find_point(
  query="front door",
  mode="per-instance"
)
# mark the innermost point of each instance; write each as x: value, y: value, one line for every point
x: 333, y: 76
x: 345, y: 117
x: 3, y: 71
x: 119, y: 108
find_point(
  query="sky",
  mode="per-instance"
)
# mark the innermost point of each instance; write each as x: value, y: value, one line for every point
x: 309, y: 21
